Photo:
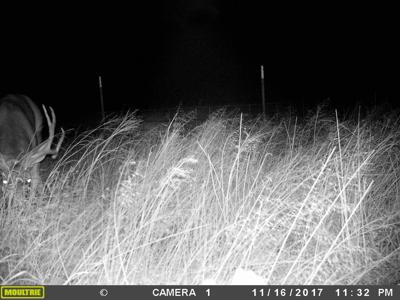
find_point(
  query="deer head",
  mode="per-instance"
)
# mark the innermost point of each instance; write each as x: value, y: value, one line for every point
x: 21, y: 148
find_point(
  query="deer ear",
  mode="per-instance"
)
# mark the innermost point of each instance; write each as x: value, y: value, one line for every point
x: 36, y: 155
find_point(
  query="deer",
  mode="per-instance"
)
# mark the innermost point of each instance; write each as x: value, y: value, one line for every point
x: 21, y: 145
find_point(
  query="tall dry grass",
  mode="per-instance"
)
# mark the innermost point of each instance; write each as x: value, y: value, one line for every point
x: 314, y: 201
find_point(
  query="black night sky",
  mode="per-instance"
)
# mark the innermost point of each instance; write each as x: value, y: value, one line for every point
x: 208, y: 52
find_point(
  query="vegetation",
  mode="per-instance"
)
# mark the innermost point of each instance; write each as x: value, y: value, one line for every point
x: 311, y: 201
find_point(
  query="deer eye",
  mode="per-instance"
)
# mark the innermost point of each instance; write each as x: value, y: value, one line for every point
x: 5, y: 181
x: 28, y: 180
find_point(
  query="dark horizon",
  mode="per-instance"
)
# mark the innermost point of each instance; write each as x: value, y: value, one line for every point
x: 209, y: 52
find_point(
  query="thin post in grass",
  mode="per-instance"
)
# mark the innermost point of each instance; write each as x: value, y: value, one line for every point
x: 101, y: 99
x: 263, y: 91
